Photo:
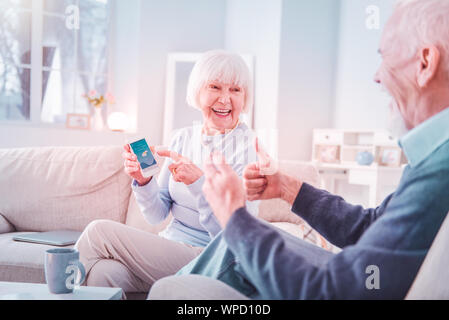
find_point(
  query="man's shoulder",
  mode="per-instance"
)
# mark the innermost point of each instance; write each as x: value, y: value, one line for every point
x: 432, y: 172
x: 441, y: 155
x: 438, y: 160
x: 424, y: 186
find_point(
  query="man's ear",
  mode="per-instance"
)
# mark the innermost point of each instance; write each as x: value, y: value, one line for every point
x: 429, y: 61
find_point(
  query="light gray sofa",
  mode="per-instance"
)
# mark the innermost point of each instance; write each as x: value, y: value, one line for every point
x: 65, y: 188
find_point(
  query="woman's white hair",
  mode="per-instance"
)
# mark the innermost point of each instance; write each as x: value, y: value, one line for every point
x: 222, y: 66
x: 426, y: 22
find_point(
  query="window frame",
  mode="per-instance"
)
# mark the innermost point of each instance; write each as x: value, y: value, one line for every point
x: 36, y: 66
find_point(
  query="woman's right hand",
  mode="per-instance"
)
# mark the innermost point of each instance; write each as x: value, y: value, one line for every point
x: 132, y: 166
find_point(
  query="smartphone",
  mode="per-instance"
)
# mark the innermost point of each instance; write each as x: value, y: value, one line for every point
x: 148, y: 163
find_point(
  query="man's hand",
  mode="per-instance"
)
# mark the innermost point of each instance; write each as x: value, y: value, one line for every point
x: 182, y: 169
x: 223, y: 188
x: 263, y: 179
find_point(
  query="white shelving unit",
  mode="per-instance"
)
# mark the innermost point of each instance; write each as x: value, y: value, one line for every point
x: 334, y: 154
x: 342, y: 146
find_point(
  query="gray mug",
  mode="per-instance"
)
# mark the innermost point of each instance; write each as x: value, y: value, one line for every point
x: 61, y: 270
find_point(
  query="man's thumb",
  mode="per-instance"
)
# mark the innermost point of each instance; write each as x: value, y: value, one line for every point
x: 262, y: 156
x: 267, y: 166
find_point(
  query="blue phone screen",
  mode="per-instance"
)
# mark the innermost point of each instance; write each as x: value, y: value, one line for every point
x: 143, y: 153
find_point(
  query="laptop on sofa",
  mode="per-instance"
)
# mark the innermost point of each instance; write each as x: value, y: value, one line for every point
x: 55, y: 238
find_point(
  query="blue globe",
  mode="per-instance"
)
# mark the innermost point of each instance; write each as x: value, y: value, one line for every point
x: 364, y: 158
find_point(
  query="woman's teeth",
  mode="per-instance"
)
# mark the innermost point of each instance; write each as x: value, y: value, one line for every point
x: 222, y: 112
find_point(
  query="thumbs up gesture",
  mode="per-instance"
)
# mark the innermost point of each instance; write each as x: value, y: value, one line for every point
x: 267, y: 165
x: 261, y: 179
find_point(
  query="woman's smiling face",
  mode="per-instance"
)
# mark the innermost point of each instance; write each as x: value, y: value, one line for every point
x: 221, y: 105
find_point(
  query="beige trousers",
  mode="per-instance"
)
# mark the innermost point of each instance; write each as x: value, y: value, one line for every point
x: 117, y: 255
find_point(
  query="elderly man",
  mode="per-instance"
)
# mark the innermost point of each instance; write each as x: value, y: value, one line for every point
x: 383, y: 248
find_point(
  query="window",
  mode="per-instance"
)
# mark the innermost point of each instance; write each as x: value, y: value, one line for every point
x: 51, y: 53
x: 15, y: 59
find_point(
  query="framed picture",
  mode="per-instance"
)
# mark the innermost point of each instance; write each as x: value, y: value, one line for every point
x: 78, y: 121
x: 329, y: 153
x: 390, y: 157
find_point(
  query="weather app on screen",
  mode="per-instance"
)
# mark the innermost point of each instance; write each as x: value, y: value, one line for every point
x: 143, y: 153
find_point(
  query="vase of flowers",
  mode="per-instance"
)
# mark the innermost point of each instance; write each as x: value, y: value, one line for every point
x: 97, y: 101
x: 98, y: 123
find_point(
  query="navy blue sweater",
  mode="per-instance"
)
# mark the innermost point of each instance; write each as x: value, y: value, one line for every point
x: 395, y: 237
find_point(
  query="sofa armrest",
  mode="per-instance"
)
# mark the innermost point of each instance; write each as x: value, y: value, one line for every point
x: 5, y: 225
x: 431, y: 282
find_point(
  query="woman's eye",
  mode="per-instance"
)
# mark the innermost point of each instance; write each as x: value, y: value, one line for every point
x: 236, y: 89
x: 212, y: 86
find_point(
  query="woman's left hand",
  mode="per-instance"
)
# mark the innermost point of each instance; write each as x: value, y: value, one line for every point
x: 182, y: 169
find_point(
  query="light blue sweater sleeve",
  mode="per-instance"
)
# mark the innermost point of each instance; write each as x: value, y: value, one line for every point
x: 154, y: 198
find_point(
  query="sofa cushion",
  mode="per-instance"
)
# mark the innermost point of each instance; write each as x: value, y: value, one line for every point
x: 22, y: 261
x: 5, y: 226
x: 54, y: 188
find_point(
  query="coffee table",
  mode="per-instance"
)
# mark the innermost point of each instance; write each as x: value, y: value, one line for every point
x: 38, y: 291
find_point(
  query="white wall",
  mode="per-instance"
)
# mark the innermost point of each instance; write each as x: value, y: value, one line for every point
x: 170, y: 26
x: 124, y: 60
x: 18, y: 136
x: 254, y: 27
x: 360, y: 103
x: 307, y: 69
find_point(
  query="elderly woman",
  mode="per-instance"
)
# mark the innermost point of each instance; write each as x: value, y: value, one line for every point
x: 116, y: 255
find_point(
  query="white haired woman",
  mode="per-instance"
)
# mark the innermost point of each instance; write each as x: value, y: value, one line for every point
x: 116, y: 255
